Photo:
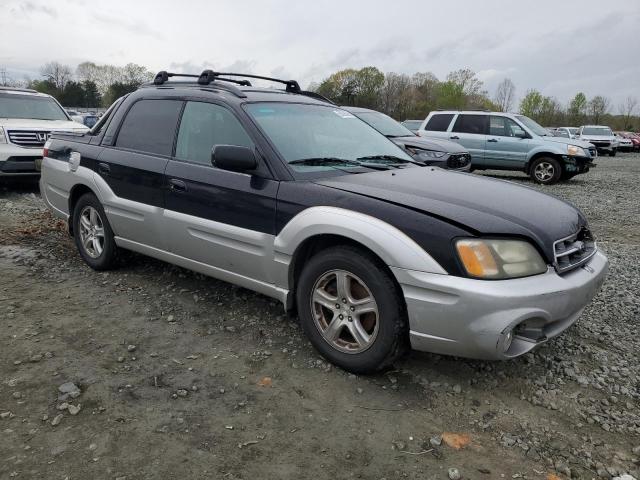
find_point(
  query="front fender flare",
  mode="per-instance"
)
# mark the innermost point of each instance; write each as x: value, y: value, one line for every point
x: 391, y: 245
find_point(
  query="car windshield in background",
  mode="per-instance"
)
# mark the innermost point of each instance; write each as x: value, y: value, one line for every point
x: 30, y: 106
x: 573, y: 131
x: 325, y: 137
x: 533, y: 126
x: 385, y: 125
x: 597, y: 131
x: 415, y: 124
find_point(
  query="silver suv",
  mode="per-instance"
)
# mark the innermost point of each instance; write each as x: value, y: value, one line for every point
x: 507, y: 141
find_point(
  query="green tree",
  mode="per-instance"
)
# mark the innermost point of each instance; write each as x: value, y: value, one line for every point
x: 117, y: 90
x: 72, y: 95
x: 451, y: 96
x: 44, y: 86
x: 92, y: 97
x: 577, y: 109
x: 531, y: 104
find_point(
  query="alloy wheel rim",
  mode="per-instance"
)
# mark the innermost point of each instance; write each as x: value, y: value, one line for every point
x: 91, y: 232
x: 544, y: 171
x: 345, y: 311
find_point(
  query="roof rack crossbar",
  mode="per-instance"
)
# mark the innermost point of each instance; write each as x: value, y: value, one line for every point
x: 163, y: 76
x: 209, y: 75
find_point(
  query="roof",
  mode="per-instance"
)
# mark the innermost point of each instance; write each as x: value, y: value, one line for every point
x: 475, y: 112
x: 357, y: 109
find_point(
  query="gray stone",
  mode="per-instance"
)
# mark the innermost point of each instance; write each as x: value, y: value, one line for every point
x: 454, y: 474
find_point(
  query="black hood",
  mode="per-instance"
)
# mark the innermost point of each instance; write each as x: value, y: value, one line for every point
x: 483, y: 206
x: 429, y: 144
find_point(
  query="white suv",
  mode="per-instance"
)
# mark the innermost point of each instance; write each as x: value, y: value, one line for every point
x: 27, y: 119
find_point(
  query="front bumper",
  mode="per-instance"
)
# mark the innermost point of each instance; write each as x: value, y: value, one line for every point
x: 18, y: 161
x: 470, y: 318
x: 578, y: 164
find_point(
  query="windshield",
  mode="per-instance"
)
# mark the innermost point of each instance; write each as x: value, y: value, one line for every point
x: 573, y: 131
x: 384, y: 124
x: 533, y: 126
x: 605, y: 131
x: 305, y: 132
x: 30, y: 106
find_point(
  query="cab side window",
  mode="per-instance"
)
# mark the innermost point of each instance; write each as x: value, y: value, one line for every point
x: 204, y: 125
x: 477, y: 124
x: 439, y: 122
x: 150, y: 126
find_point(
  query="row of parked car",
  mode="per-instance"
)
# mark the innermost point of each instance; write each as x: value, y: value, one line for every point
x: 602, y: 137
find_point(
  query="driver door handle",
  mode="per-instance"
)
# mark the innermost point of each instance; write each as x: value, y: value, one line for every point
x: 455, y: 137
x: 177, y: 185
x: 493, y: 140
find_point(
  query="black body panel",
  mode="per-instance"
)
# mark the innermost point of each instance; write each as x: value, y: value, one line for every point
x: 432, y: 234
x: 232, y: 198
x: 131, y: 175
x: 485, y: 206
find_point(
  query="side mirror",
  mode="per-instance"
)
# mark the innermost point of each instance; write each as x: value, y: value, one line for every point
x: 522, y: 134
x: 234, y: 158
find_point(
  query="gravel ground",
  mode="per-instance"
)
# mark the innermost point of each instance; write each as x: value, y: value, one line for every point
x: 154, y: 372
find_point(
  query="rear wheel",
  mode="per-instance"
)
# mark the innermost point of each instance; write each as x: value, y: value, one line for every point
x: 351, y: 310
x: 545, y: 170
x: 93, y: 234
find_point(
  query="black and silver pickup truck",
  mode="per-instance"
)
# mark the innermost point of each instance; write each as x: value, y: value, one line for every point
x: 283, y: 193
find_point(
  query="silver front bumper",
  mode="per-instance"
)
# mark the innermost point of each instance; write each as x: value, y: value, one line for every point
x: 470, y: 318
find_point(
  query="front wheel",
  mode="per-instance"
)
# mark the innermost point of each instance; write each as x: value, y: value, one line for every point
x: 613, y: 152
x: 93, y: 234
x: 351, y: 310
x: 545, y: 170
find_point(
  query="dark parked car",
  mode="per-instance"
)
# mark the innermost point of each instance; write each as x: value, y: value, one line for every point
x: 295, y: 198
x: 435, y: 152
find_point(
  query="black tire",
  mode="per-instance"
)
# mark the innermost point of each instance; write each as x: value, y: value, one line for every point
x: 391, y: 339
x: 545, y: 170
x: 613, y: 152
x: 106, y: 258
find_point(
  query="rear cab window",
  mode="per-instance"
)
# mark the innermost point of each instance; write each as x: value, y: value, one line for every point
x: 150, y: 126
x: 439, y: 122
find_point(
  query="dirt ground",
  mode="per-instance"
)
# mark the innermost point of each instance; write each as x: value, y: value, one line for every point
x: 182, y: 376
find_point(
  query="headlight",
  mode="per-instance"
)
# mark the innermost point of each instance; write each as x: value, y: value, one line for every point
x: 576, y: 151
x: 3, y: 137
x: 430, y: 153
x: 499, y: 259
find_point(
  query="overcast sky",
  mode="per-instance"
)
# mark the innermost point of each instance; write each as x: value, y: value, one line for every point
x: 559, y: 47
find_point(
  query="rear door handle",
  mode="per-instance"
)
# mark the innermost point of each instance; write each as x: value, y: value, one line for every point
x: 104, y: 168
x: 493, y: 140
x: 177, y: 185
x: 455, y: 137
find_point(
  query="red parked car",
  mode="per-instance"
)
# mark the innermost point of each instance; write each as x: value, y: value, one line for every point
x: 634, y: 137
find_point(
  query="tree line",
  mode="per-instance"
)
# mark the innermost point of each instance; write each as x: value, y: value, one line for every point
x: 399, y: 95
x: 403, y: 96
x: 89, y: 85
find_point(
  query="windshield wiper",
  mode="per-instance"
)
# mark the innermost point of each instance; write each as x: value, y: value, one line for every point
x: 390, y: 160
x: 322, y: 161
x: 335, y: 161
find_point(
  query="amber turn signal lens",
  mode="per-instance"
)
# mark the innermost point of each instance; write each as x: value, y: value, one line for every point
x: 477, y: 258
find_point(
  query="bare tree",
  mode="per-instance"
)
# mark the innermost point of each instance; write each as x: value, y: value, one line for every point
x: 504, y: 94
x: 598, y: 107
x: 627, y: 109
x: 57, y: 74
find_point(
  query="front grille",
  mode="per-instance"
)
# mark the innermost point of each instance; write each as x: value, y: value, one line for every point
x: 600, y: 143
x: 458, y: 160
x: 30, y: 139
x: 575, y: 250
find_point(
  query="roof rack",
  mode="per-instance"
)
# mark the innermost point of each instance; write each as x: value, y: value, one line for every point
x: 209, y: 76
